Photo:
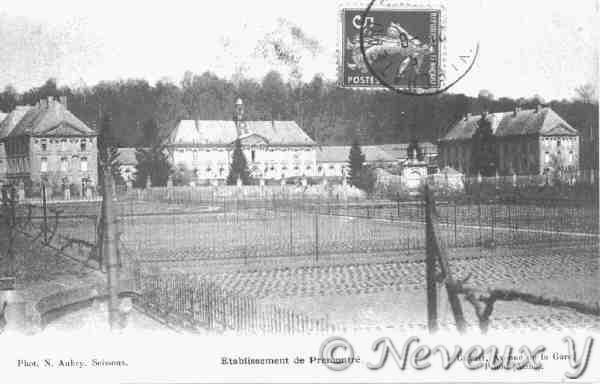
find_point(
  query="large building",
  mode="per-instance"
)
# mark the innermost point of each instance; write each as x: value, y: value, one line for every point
x: 7, y: 124
x: 521, y: 142
x: 46, y: 142
x: 273, y: 149
x: 333, y: 160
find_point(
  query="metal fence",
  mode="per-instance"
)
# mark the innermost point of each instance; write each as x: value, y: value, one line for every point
x: 311, y: 231
x: 191, y: 302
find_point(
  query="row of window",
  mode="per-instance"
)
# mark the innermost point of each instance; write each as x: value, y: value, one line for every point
x: 64, y: 164
x: 83, y: 144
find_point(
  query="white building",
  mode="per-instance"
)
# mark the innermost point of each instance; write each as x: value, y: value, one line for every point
x: 333, y: 160
x: 273, y: 149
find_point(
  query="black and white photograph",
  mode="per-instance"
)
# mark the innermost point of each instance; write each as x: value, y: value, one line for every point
x: 299, y: 191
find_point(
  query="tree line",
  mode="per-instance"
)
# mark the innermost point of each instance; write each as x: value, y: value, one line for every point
x: 142, y: 114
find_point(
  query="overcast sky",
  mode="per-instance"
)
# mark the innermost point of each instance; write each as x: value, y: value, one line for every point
x: 527, y: 46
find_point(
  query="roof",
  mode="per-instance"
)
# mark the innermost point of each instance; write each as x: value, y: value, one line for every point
x: 466, y: 127
x: 127, y: 156
x: 12, y: 119
x: 225, y: 132
x: 51, y: 118
x: 543, y: 121
x: 341, y: 154
x: 400, y: 150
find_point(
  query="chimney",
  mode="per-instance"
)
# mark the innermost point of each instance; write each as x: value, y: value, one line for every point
x: 63, y: 101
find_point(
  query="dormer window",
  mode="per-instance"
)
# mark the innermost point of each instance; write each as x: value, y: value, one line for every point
x: 44, y: 145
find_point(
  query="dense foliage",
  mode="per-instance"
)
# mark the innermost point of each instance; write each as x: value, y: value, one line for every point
x: 328, y: 114
x: 239, y: 166
x: 356, y: 161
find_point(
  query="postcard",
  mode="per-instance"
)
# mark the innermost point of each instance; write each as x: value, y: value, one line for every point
x: 299, y: 191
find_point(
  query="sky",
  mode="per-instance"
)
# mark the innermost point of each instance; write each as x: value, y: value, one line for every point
x: 527, y: 47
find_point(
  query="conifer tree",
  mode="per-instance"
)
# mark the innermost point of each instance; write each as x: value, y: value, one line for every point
x: 356, y: 161
x: 239, y: 166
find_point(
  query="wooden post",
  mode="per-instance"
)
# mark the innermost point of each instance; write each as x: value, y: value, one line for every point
x: 110, y: 249
x: 430, y: 261
x: 436, y: 249
x: 45, y: 208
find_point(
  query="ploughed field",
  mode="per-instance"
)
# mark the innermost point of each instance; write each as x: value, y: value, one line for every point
x: 379, y: 295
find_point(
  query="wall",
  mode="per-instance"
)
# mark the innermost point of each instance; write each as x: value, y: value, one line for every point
x: 69, y: 148
x: 563, y: 150
x: 270, y: 162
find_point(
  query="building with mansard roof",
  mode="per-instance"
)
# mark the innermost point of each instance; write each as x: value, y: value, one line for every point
x: 525, y: 142
x: 273, y: 149
x: 7, y: 124
x: 46, y: 142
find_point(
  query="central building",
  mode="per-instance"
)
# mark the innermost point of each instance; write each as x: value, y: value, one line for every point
x: 274, y: 150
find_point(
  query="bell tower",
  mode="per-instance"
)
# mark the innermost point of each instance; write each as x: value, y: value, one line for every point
x: 238, y: 117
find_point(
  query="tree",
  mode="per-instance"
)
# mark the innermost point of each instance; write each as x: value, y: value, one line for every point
x: 587, y: 93
x: 152, y: 164
x: 150, y: 132
x: 484, y: 157
x: 239, y: 166
x: 356, y: 161
x: 108, y: 154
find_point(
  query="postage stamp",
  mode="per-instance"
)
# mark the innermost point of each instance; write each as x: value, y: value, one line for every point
x: 387, y: 45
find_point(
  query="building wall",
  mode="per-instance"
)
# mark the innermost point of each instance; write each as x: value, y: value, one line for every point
x: 269, y: 162
x: 27, y: 159
x: 520, y: 155
x: 332, y: 169
x: 455, y: 154
x: 562, y: 151
x: 3, y: 163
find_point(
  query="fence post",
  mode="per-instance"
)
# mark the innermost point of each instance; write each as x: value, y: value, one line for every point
x: 317, y: 238
x: 455, y: 219
x: 110, y: 248
x: 45, y: 208
x: 430, y: 261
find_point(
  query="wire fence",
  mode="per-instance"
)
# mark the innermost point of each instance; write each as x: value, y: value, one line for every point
x: 191, y: 302
x: 311, y: 230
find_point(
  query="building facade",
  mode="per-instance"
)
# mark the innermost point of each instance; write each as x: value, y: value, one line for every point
x: 333, y: 160
x: 49, y: 144
x: 522, y: 142
x: 273, y: 149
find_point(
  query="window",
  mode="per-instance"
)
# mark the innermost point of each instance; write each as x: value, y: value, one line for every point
x: 44, y: 145
x: 63, y: 145
x: 63, y: 164
x: 547, y: 157
x: 558, y: 143
x: 83, y: 145
x: 253, y: 154
x: 84, y: 164
x: 44, y: 165
x: 571, y: 157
